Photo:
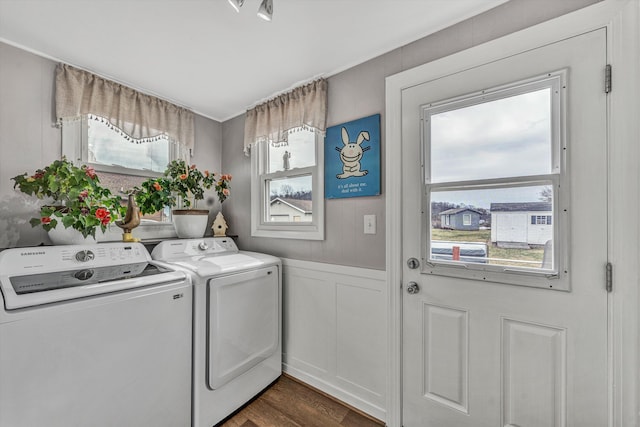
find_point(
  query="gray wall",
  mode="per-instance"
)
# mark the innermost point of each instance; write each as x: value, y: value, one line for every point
x: 28, y: 140
x: 359, y: 92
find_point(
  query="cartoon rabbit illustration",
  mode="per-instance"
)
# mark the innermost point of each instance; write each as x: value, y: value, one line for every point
x: 351, y: 154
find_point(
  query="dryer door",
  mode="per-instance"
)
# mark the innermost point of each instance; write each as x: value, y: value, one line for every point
x: 243, y: 322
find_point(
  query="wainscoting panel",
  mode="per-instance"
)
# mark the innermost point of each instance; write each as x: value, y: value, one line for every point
x: 335, y: 331
x: 308, y: 321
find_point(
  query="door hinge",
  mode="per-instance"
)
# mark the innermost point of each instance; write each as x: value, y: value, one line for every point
x: 609, y: 279
x: 607, y: 78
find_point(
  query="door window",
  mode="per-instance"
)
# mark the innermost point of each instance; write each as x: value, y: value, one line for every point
x: 496, y: 153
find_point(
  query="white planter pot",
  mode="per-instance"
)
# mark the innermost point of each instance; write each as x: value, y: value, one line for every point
x: 190, y: 223
x: 69, y: 236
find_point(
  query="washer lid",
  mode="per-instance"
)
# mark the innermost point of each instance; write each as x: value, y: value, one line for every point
x: 44, y: 288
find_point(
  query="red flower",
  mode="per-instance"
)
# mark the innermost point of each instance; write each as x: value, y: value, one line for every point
x: 192, y: 167
x: 183, y: 176
x: 106, y: 220
x: 83, y: 195
x: 157, y: 186
x: 226, y: 192
x: 206, y: 173
x: 45, y: 220
x: 101, y: 213
x: 91, y: 172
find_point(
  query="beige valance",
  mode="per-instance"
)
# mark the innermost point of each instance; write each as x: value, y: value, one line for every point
x: 140, y: 116
x: 303, y: 107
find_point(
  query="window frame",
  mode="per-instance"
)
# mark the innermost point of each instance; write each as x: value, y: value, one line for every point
x: 260, y: 227
x: 75, y: 146
x: 555, y: 278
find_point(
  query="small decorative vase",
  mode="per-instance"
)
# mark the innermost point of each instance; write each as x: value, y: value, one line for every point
x: 69, y: 236
x: 190, y: 223
x: 219, y: 226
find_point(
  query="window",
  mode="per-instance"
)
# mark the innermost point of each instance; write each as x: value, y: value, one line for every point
x: 287, y: 188
x: 541, y: 219
x: 122, y: 162
x: 497, y: 153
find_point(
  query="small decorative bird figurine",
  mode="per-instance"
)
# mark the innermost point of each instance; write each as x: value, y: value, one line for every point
x: 131, y: 220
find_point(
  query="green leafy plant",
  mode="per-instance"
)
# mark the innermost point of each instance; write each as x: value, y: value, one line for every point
x: 180, y: 186
x: 74, y: 197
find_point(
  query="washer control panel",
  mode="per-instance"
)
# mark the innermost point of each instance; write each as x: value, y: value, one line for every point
x: 40, y: 259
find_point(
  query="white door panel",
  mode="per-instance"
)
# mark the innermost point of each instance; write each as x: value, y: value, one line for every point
x: 477, y: 353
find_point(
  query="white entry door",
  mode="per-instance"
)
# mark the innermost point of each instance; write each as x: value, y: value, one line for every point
x: 505, y: 339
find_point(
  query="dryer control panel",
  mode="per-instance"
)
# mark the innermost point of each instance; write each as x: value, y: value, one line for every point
x: 172, y: 249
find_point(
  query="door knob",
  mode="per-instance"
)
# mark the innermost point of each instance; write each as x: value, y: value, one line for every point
x: 413, y: 288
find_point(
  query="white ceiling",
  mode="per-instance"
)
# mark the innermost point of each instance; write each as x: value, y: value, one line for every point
x: 203, y: 55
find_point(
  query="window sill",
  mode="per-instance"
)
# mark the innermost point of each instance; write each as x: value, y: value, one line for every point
x: 289, y: 234
x: 147, y: 231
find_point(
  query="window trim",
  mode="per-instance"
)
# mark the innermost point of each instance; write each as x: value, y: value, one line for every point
x: 556, y: 278
x: 313, y: 230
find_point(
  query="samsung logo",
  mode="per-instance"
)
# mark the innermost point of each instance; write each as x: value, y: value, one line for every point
x: 31, y: 253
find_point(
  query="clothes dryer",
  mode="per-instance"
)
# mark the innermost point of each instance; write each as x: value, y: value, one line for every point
x: 237, y: 320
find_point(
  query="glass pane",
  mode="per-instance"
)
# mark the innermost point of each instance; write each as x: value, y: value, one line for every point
x: 108, y: 147
x: 504, y: 226
x: 121, y: 185
x: 497, y: 139
x: 290, y: 200
x: 299, y: 153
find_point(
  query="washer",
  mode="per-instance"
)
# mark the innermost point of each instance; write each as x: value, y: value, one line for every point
x: 237, y: 349
x: 93, y: 335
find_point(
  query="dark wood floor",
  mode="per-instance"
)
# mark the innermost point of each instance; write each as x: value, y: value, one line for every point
x: 289, y: 403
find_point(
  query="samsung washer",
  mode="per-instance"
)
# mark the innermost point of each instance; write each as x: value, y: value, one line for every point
x: 237, y: 320
x: 93, y: 335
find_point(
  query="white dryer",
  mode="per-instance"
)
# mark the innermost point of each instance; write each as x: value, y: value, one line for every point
x: 237, y: 350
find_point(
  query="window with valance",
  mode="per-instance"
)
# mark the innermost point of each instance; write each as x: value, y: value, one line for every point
x: 284, y: 138
x: 126, y: 135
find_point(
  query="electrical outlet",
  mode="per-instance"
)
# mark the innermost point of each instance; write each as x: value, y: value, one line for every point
x: 369, y: 224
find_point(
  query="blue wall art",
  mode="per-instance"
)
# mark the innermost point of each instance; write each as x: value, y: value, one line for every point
x: 352, y: 159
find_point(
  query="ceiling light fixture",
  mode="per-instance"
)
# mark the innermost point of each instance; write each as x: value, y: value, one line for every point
x: 266, y: 10
x: 236, y: 4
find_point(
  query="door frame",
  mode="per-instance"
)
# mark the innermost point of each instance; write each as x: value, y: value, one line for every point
x: 621, y: 18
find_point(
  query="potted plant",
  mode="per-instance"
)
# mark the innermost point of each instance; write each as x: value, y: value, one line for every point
x: 74, y: 199
x: 181, y: 187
